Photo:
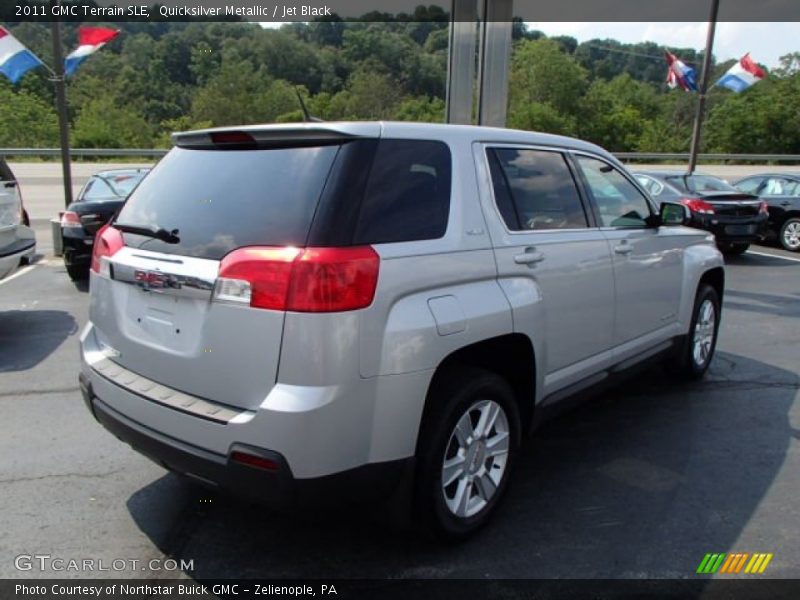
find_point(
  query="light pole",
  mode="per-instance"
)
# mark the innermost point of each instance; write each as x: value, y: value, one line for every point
x: 61, y: 108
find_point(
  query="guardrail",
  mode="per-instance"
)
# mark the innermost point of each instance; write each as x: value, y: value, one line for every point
x: 634, y: 156
x: 84, y: 152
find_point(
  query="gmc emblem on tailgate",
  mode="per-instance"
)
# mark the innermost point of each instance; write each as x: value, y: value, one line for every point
x: 150, y: 280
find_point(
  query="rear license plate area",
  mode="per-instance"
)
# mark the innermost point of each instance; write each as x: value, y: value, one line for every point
x: 740, y: 229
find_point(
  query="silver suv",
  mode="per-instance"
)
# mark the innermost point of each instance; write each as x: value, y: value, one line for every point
x: 303, y: 311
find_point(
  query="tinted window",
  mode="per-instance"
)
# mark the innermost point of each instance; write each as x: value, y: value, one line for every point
x: 749, y: 185
x: 534, y: 190
x: 408, y: 193
x: 700, y: 183
x: 111, y: 185
x: 225, y: 199
x: 619, y: 203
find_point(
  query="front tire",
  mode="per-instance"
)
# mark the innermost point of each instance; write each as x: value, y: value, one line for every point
x: 467, y: 446
x: 789, y: 235
x: 695, y: 354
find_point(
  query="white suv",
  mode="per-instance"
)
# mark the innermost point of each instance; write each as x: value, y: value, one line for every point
x: 303, y: 311
x: 17, y: 240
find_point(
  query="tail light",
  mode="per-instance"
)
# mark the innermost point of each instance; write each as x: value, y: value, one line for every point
x: 698, y: 206
x: 70, y: 219
x: 107, y: 242
x: 299, y: 279
x: 763, y: 208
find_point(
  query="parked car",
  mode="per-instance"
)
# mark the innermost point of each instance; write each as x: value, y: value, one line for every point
x: 101, y: 196
x: 302, y: 312
x: 781, y: 192
x: 735, y: 218
x: 17, y: 239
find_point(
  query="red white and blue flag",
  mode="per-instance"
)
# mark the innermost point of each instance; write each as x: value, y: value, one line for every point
x: 742, y: 75
x: 15, y: 59
x: 90, y: 40
x: 679, y: 74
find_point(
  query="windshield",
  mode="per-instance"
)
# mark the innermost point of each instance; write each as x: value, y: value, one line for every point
x: 700, y: 183
x: 219, y: 200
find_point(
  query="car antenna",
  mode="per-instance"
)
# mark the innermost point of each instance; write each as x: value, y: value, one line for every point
x: 307, y: 118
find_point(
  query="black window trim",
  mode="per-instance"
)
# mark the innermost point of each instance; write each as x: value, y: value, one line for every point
x: 574, y: 154
x: 591, y: 220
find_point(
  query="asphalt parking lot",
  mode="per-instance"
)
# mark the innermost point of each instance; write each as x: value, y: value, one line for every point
x: 641, y: 481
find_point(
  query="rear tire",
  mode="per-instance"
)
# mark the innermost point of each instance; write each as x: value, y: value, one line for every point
x: 789, y: 235
x: 733, y: 249
x: 77, y: 273
x: 694, y: 355
x: 469, y: 437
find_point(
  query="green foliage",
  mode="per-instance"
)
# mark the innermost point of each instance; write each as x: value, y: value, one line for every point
x: 103, y: 124
x: 25, y: 120
x: 161, y: 77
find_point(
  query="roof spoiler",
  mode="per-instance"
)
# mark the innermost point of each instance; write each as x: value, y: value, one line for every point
x: 262, y: 137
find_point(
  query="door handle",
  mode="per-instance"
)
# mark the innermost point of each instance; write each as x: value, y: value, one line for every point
x: 529, y: 257
x: 786, y: 203
x: 623, y: 249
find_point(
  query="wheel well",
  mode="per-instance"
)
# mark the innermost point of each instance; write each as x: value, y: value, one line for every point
x: 716, y: 279
x: 509, y: 356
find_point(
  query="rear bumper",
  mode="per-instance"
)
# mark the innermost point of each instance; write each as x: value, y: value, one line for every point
x: 734, y: 230
x: 276, y: 488
x: 11, y: 254
x: 77, y: 246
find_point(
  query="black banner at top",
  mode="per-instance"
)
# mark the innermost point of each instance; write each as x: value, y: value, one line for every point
x: 644, y: 11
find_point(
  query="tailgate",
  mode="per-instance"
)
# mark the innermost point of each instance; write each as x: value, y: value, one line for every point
x: 154, y: 317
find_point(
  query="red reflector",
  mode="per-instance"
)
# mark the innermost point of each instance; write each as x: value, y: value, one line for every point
x: 699, y: 206
x: 107, y: 242
x: 232, y: 137
x: 301, y: 280
x: 70, y: 219
x: 255, y: 461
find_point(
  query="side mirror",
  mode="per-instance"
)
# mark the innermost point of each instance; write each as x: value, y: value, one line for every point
x: 673, y: 213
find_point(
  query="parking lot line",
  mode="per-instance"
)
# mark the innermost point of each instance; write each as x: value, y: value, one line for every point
x: 19, y: 273
x: 773, y: 256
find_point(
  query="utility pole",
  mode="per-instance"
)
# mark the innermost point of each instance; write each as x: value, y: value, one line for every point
x: 61, y: 107
x: 701, y: 100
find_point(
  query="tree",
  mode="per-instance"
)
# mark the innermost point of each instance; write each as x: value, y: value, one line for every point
x: 25, y: 120
x: 102, y: 124
x: 542, y: 74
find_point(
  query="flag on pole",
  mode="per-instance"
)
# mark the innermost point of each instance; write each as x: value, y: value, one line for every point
x: 742, y: 75
x: 15, y: 59
x: 679, y: 74
x: 90, y: 40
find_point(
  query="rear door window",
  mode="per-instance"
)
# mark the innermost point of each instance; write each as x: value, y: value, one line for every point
x: 535, y: 190
x: 220, y: 200
x: 407, y: 196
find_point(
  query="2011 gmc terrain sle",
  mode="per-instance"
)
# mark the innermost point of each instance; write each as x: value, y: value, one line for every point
x: 284, y: 310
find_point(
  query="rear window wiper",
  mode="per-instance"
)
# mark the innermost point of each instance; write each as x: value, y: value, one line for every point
x: 159, y: 233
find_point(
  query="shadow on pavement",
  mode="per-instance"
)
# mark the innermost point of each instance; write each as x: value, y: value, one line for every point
x: 641, y: 481
x: 27, y: 337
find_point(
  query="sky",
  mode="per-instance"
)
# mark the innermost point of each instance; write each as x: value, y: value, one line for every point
x: 766, y: 42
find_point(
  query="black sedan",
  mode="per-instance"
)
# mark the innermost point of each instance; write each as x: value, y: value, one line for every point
x: 781, y: 192
x: 100, y: 198
x: 736, y: 218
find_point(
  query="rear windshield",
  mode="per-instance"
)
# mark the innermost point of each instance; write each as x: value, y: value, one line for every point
x: 219, y: 200
x: 111, y: 185
x: 700, y: 183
